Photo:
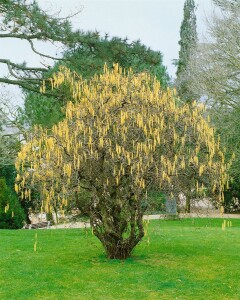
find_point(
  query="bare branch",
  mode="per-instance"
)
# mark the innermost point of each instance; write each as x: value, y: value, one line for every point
x: 41, y: 54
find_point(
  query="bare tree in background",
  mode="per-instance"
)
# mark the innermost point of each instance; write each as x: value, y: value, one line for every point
x: 216, y: 63
x: 216, y: 76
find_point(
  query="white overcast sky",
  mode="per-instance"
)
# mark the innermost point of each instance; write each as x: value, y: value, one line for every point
x: 155, y: 22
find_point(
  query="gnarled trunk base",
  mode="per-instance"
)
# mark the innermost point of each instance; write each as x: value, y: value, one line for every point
x: 119, y: 243
x: 118, y: 224
x: 121, y: 249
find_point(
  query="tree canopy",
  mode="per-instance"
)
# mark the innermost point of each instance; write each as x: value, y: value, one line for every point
x: 188, y: 42
x: 122, y: 136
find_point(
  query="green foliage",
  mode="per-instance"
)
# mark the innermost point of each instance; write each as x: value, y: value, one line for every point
x: 155, y: 202
x: 232, y: 198
x: 9, y: 173
x: 11, y: 213
x: 42, y: 110
x: 188, y: 42
x: 227, y: 122
x: 87, y: 58
x: 9, y: 147
x: 29, y: 19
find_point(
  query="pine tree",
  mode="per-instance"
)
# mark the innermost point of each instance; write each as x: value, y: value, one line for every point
x: 188, y: 42
x: 88, y: 59
x: 25, y: 21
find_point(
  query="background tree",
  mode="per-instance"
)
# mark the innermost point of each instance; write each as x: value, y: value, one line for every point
x: 87, y: 58
x: 26, y: 21
x: 215, y: 69
x: 85, y: 53
x: 122, y: 136
x: 10, y: 144
x: 215, y: 64
x: 188, y: 42
x: 9, y: 135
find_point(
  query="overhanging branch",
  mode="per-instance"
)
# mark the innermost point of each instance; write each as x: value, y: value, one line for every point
x: 20, y: 67
x: 41, y: 54
x: 24, y: 84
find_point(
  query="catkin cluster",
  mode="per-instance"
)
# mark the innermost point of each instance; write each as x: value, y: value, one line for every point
x: 121, y: 132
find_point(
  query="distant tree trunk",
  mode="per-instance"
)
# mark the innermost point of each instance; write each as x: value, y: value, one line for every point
x: 25, y: 206
x: 119, y: 228
x: 56, y: 214
x: 27, y: 216
x: 188, y: 203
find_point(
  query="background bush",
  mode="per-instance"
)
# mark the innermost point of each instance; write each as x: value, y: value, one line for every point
x: 12, y: 215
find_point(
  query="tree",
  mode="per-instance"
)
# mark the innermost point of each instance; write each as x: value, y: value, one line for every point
x: 215, y: 64
x: 188, y: 42
x: 122, y: 136
x: 26, y: 21
x: 87, y: 58
x: 215, y: 70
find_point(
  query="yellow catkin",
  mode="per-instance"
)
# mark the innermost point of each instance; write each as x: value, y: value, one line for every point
x: 126, y: 126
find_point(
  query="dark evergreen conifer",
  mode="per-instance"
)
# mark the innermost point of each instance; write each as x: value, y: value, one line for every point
x: 188, y: 42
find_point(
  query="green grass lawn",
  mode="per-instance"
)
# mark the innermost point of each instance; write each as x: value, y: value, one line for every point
x: 184, y: 259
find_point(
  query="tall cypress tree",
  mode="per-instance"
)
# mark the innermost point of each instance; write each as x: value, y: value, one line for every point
x: 188, y: 42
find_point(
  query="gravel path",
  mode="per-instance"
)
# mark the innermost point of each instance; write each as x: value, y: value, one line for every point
x: 151, y: 217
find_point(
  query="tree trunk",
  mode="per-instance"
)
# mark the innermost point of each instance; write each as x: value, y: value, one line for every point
x: 119, y: 227
x: 188, y: 203
x: 120, y: 249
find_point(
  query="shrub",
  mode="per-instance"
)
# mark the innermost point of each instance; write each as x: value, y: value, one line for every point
x: 11, y: 213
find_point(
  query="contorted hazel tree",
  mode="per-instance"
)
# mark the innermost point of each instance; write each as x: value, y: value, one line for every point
x: 122, y: 136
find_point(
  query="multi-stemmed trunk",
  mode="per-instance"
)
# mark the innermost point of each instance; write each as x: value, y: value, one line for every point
x: 118, y: 226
